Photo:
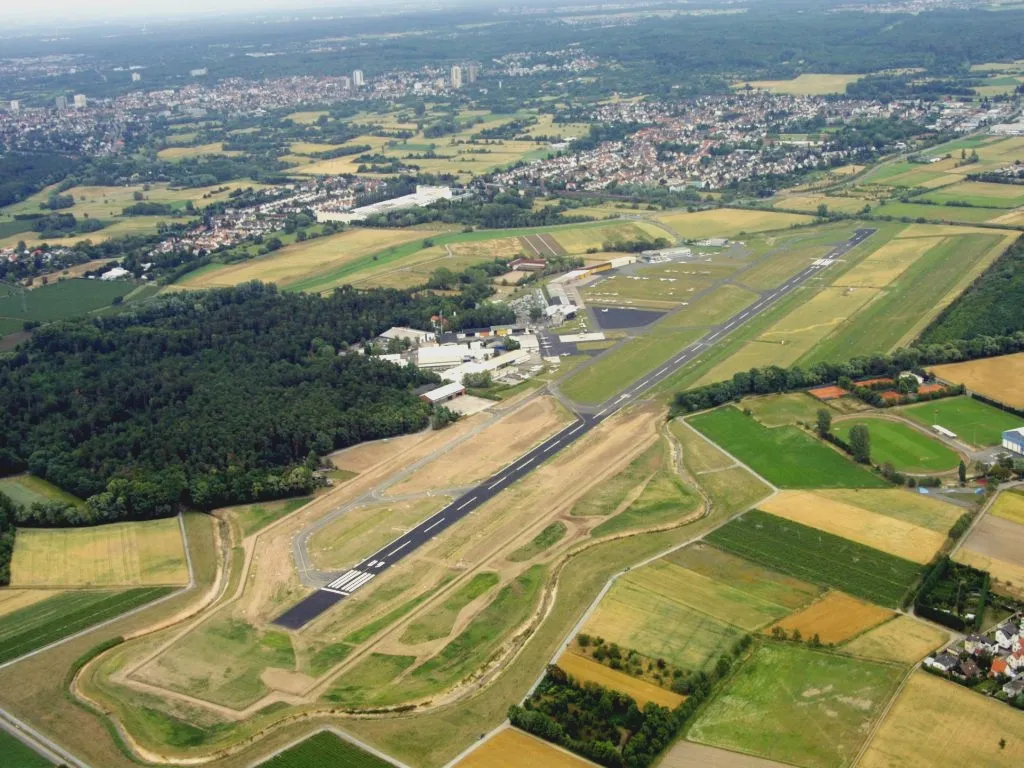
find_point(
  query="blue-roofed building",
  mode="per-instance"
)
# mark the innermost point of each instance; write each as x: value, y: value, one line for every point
x: 1013, y: 440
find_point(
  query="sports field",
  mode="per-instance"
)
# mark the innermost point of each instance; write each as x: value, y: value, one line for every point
x: 512, y: 748
x: 143, y: 553
x: 588, y: 671
x: 818, y: 557
x: 835, y: 618
x: 64, y: 614
x: 728, y: 222
x: 935, y: 722
x: 997, y: 378
x: 779, y: 410
x: 901, y: 445
x: 804, y: 85
x: 27, y: 490
x: 797, y: 705
x: 971, y: 420
x: 324, y: 749
x: 785, y: 456
x: 905, y: 640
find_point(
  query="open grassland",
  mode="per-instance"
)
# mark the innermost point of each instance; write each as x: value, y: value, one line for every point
x: 904, y: 640
x: 913, y: 298
x: 252, y: 518
x: 511, y: 748
x: 733, y: 490
x: 716, y: 306
x: 438, y: 622
x: 699, y: 454
x: 785, y: 456
x: 325, y: 749
x: 797, y: 705
x: 809, y: 203
x: 1009, y: 506
x: 626, y: 363
x: 995, y: 377
x: 901, y: 445
x: 457, y: 256
x: 834, y: 618
x: 908, y: 506
x: 658, y: 287
x: 312, y: 261
x: 607, y: 497
x: 182, y: 153
x: 818, y: 557
x: 979, y: 194
x: 64, y: 614
x: 59, y: 301
x: 727, y: 222
x: 780, y: 410
x: 14, y: 754
x: 27, y: 490
x: 971, y: 420
x: 665, y: 499
x: 12, y: 600
x: 141, y: 553
x: 578, y: 240
x: 804, y: 85
x: 935, y: 722
x: 884, y: 265
x: 666, y: 610
x: 588, y: 671
x: 544, y: 540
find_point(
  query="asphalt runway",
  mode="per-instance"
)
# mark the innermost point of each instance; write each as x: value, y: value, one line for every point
x: 362, y: 574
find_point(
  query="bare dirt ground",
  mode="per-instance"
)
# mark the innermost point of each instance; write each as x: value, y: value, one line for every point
x: 688, y: 755
x: 998, y: 538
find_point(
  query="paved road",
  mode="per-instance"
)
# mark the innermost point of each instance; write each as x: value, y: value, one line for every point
x: 362, y: 574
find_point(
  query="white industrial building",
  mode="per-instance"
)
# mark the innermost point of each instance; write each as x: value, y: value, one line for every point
x: 422, y: 197
x: 486, y: 366
x: 449, y: 355
x: 1013, y: 441
x: 443, y: 394
x: 412, y: 335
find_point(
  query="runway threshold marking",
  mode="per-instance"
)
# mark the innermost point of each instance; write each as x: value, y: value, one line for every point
x: 333, y: 591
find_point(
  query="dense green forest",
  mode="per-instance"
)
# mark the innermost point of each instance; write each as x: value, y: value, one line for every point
x: 7, y: 515
x: 208, y: 399
x: 992, y: 306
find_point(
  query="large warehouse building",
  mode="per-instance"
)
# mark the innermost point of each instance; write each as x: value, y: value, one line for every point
x: 1013, y: 440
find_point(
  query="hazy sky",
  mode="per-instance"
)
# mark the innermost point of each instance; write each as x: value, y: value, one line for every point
x: 55, y: 12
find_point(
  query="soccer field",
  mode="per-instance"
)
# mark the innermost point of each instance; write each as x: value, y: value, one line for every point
x: 973, y: 421
x: 907, y: 449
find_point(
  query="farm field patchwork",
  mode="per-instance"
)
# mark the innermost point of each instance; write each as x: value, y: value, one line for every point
x: 979, y: 194
x: 834, y: 618
x: 512, y: 748
x: 60, y: 300
x: 64, y: 614
x: 901, y: 445
x: 686, y: 754
x: 935, y: 722
x: 728, y: 222
x: 809, y: 203
x: 973, y: 421
x: 577, y: 240
x: 904, y: 640
x: 324, y: 749
x: 13, y: 599
x: 997, y: 378
x: 818, y: 557
x: 785, y: 456
x: 797, y: 705
x: 588, y: 671
x: 143, y: 553
x: 908, y: 506
x: 957, y: 213
x: 1007, y: 577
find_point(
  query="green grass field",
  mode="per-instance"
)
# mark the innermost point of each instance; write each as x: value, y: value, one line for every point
x: 322, y: 750
x: 58, y: 617
x: 818, y: 557
x: 906, y: 448
x: 799, y: 706
x: 979, y: 194
x: 439, y: 621
x: 542, y: 541
x: 955, y: 213
x: 255, y: 517
x: 665, y: 499
x: 27, y: 490
x: 60, y: 300
x: 779, y: 410
x: 14, y: 754
x: 785, y: 456
x: 916, y: 295
x: 973, y: 421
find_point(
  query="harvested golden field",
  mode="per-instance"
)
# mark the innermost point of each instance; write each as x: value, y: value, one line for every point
x: 810, y: 202
x: 484, y: 454
x: 1012, y: 219
x: 936, y: 722
x: 119, y: 554
x: 292, y: 263
x: 727, y: 222
x: 686, y: 754
x: 512, y: 748
x: 1009, y: 506
x: 884, y: 265
x: 180, y: 153
x: 834, y: 618
x: 12, y: 600
x: 888, y: 534
x: 1006, y: 576
x: 905, y: 640
x: 910, y: 507
x: 804, y: 85
x: 995, y: 377
x: 588, y: 671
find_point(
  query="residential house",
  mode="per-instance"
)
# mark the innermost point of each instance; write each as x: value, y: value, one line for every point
x: 944, y: 662
x: 975, y: 644
x: 969, y: 669
x: 1005, y: 633
x: 1015, y: 661
x: 999, y: 668
x: 1014, y: 688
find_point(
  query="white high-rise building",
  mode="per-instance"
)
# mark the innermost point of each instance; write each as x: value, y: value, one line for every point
x: 474, y: 70
x: 61, y: 102
x: 136, y: 76
x: 346, y: 82
x: 357, y: 78
x: 456, y: 76
x: 15, y: 106
x: 81, y: 102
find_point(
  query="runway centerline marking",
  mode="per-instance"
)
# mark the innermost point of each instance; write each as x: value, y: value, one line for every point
x: 398, y: 549
x: 433, y: 525
x: 466, y: 503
